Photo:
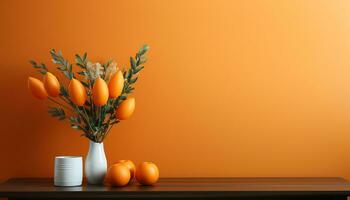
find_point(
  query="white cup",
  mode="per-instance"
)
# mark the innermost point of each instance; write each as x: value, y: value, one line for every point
x: 68, y: 171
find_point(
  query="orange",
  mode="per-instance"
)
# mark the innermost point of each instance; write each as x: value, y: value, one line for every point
x: 130, y: 165
x: 116, y: 84
x: 147, y: 173
x: 51, y: 84
x: 77, y: 92
x: 37, y: 88
x: 118, y: 175
x: 125, y: 109
x: 100, y: 92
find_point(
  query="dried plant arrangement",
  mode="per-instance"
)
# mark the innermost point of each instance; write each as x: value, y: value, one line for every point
x: 97, y: 96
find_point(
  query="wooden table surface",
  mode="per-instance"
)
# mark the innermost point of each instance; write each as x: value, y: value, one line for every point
x: 228, y: 188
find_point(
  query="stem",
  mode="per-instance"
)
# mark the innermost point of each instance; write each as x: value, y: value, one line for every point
x: 87, y: 119
x: 109, y: 128
x: 84, y: 115
x: 68, y: 101
x: 100, y: 120
x: 75, y: 107
x: 98, y: 115
x: 51, y: 99
x: 92, y: 109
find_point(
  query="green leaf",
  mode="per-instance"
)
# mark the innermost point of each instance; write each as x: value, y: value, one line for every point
x: 80, y: 65
x: 142, y: 60
x: 81, y: 61
x: 130, y: 72
x: 85, y: 84
x: 143, y: 49
x: 123, y: 97
x: 132, y: 62
x: 57, y: 113
x: 104, y: 66
x: 73, y: 120
x: 76, y: 127
x: 63, y: 65
x: 85, y: 57
x: 138, y: 69
x: 42, y: 69
x: 78, y: 59
x: 132, y: 81
x: 32, y: 62
x: 129, y: 90
x: 83, y: 73
x: 64, y: 91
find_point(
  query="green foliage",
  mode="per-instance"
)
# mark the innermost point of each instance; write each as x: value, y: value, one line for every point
x: 64, y: 91
x: 81, y: 60
x: 76, y: 123
x: 57, y: 113
x: 63, y: 65
x: 95, y: 122
x: 42, y: 69
x: 135, y: 67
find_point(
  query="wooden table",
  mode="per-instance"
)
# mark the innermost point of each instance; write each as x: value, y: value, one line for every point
x: 186, y: 188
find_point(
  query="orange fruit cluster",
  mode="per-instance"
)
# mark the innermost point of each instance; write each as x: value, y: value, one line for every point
x: 78, y: 95
x: 124, y: 171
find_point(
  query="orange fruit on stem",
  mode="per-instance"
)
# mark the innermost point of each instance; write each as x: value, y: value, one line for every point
x: 130, y: 165
x: 147, y: 173
x: 51, y: 84
x: 77, y: 92
x: 125, y: 109
x: 116, y: 84
x: 118, y: 175
x: 100, y: 92
x: 37, y: 88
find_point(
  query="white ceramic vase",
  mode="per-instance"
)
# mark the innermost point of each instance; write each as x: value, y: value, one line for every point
x: 95, y: 164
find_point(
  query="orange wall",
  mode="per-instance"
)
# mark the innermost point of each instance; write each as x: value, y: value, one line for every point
x: 232, y: 88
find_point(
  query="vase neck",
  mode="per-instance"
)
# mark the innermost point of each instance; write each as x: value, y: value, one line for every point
x: 95, y: 145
